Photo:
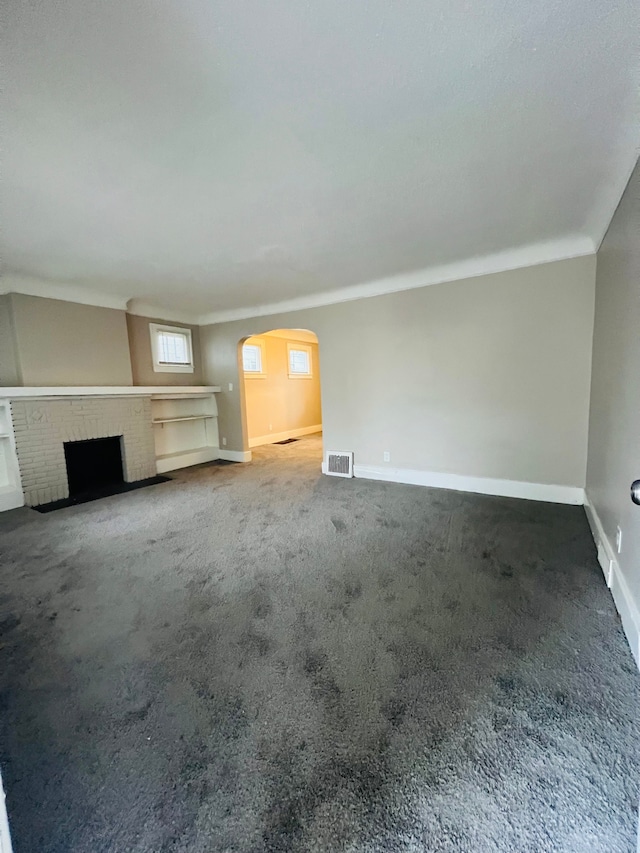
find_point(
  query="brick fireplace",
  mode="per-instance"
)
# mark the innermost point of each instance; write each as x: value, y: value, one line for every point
x: 43, y: 426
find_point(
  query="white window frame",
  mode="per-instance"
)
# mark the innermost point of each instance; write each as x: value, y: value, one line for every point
x: 164, y: 367
x: 299, y: 348
x: 255, y: 374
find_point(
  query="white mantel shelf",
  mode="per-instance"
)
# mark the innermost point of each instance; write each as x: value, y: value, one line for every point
x: 51, y: 392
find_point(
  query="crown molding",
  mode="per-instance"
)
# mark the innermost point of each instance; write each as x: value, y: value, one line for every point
x: 28, y: 286
x: 540, y: 253
x: 140, y: 308
x: 604, y: 213
x: 533, y: 255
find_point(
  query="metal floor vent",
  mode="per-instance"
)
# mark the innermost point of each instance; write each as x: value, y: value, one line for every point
x: 339, y: 463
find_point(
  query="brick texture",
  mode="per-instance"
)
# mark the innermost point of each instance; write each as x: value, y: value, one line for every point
x: 42, y: 426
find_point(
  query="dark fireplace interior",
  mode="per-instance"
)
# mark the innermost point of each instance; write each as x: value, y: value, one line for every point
x: 94, y: 470
x: 94, y: 465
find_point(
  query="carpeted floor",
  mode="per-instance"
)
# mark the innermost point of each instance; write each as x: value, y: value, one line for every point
x: 257, y: 658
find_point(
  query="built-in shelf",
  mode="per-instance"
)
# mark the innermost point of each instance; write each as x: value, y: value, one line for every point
x: 185, y: 458
x: 185, y: 428
x: 183, y: 418
x: 197, y: 395
x: 4, y: 435
x: 192, y: 450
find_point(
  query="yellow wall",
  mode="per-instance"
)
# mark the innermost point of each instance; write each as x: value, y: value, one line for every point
x: 278, y: 407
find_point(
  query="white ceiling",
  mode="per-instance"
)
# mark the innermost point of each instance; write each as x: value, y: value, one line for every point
x: 217, y: 155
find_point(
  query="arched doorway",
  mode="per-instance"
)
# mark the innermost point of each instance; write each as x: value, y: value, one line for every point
x: 281, y: 387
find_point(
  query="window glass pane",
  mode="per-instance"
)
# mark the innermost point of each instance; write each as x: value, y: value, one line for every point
x: 173, y: 348
x: 252, y: 358
x: 299, y: 361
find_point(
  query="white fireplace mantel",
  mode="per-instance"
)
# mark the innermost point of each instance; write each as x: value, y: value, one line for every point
x: 52, y: 392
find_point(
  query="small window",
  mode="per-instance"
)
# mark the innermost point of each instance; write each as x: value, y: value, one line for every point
x: 253, y: 361
x: 171, y: 349
x: 299, y: 361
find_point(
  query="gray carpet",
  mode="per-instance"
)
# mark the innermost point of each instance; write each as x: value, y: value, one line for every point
x: 258, y: 658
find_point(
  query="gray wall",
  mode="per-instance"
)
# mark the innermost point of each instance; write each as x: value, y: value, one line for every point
x: 614, y: 428
x: 65, y: 343
x: 142, y: 360
x: 486, y: 377
x: 9, y: 366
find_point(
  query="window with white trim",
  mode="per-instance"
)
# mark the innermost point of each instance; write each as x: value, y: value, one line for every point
x: 299, y: 357
x: 171, y: 349
x: 253, y: 361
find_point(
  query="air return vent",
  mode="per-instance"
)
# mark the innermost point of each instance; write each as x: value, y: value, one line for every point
x: 339, y: 463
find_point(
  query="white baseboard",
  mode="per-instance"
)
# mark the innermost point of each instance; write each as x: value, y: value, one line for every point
x: 478, y: 485
x: 10, y: 498
x: 283, y: 436
x: 625, y: 605
x: 234, y: 455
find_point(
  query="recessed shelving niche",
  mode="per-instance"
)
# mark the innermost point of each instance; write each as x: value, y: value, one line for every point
x: 185, y: 428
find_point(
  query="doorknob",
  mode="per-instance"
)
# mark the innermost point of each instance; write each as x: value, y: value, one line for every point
x: 635, y: 491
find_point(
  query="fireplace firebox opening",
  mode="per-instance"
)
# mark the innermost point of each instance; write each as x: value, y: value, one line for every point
x: 93, y: 465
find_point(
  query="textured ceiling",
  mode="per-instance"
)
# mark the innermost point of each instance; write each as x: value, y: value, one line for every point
x: 204, y: 156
